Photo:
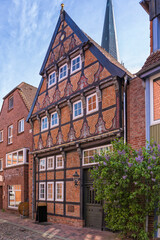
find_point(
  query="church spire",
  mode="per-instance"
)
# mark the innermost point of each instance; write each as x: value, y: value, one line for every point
x: 109, y: 37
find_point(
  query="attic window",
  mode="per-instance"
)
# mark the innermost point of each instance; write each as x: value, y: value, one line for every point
x: 75, y: 64
x: 52, y: 79
x: 10, y: 103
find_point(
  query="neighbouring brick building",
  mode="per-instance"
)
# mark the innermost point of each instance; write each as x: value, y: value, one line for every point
x: 15, y: 144
x: 150, y: 75
x: 77, y: 111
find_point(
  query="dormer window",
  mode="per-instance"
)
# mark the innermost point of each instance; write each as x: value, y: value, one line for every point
x: 10, y: 103
x: 52, y: 79
x: 63, y: 72
x: 75, y: 64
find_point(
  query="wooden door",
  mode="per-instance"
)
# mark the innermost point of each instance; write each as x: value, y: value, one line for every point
x: 93, y: 211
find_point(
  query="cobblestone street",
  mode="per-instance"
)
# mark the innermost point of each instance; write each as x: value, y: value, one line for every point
x: 13, y: 227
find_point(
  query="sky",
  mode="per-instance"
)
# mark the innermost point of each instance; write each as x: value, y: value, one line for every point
x: 26, y: 28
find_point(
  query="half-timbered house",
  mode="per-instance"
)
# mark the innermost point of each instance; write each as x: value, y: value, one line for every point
x: 77, y: 111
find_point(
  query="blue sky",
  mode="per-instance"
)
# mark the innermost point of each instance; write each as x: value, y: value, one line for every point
x: 26, y: 28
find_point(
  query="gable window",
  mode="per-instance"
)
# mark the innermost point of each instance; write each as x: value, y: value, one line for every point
x: 155, y: 100
x: 52, y: 79
x: 21, y: 126
x: 50, y: 191
x: 1, y: 136
x: 1, y: 164
x: 77, y: 109
x: 88, y: 154
x: 75, y: 64
x: 14, y: 195
x: 42, y: 191
x: 54, y: 119
x: 10, y: 134
x: 50, y: 162
x: 42, y: 164
x: 59, y: 191
x: 92, y: 104
x: 44, y: 123
x: 10, y: 103
x: 63, y: 72
x: 59, y: 161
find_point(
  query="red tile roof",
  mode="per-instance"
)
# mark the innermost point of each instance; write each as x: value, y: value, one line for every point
x: 152, y: 61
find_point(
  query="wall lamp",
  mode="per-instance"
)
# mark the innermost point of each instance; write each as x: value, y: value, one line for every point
x: 76, y: 179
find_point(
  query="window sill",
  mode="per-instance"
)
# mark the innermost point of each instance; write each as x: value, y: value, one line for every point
x: 19, y: 133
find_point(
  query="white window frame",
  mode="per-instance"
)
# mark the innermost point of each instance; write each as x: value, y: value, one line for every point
x: 10, y: 138
x: 42, y: 183
x: 50, y: 199
x: 62, y: 162
x: 80, y: 64
x: 52, y: 157
x: 58, y: 199
x: 25, y: 151
x: 21, y: 122
x: 104, y: 146
x: 43, y: 129
x: 1, y: 133
x: 14, y: 207
x: 153, y: 122
x: 96, y: 109
x: 55, y: 125
x: 10, y: 107
x: 42, y: 169
x: 52, y: 84
x: 1, y: 160
x: 75, y: 117
x: 66, y: 72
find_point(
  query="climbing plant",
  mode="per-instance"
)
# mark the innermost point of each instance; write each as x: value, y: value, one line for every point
x: 128, y: 183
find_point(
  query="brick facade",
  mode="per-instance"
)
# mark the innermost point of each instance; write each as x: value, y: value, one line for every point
x: 136, y: 135
x: 15, y: 174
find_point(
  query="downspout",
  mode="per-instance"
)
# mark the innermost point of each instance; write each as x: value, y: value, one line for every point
x: 124, y: 108
x: 33, y: 187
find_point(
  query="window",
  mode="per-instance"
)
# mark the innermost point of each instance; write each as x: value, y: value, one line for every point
x: 77, y: 109
x: 92, y: 104
x: 17, y: 157
x: 50, y: 191
x: 10, y: 103
x: 42, y: 164
x: 21, y: 126
x: 14, y: 195
x: 59, y: 161
x: 54, y: 119
x: 63, y: 72
x: 52, y: 79
x: 1, y: 164
x: 89, y: 153
x: 75, y: 64
x: 44, y: 123
x: 50, y: 162
x: 10, y: 134
x: 155, y: 99
x: 42, y: 191
x: 59, y: 191
x: 1, y: 136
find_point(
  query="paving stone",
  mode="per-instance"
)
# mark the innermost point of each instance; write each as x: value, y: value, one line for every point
x: 12, y: 227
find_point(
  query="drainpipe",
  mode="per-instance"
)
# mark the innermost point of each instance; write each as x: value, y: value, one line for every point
x: 125, y: 105
x: 33, y: 187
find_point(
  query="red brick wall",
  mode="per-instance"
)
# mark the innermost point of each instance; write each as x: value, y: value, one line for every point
x: 136, y: 113
x: 23, y: 140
